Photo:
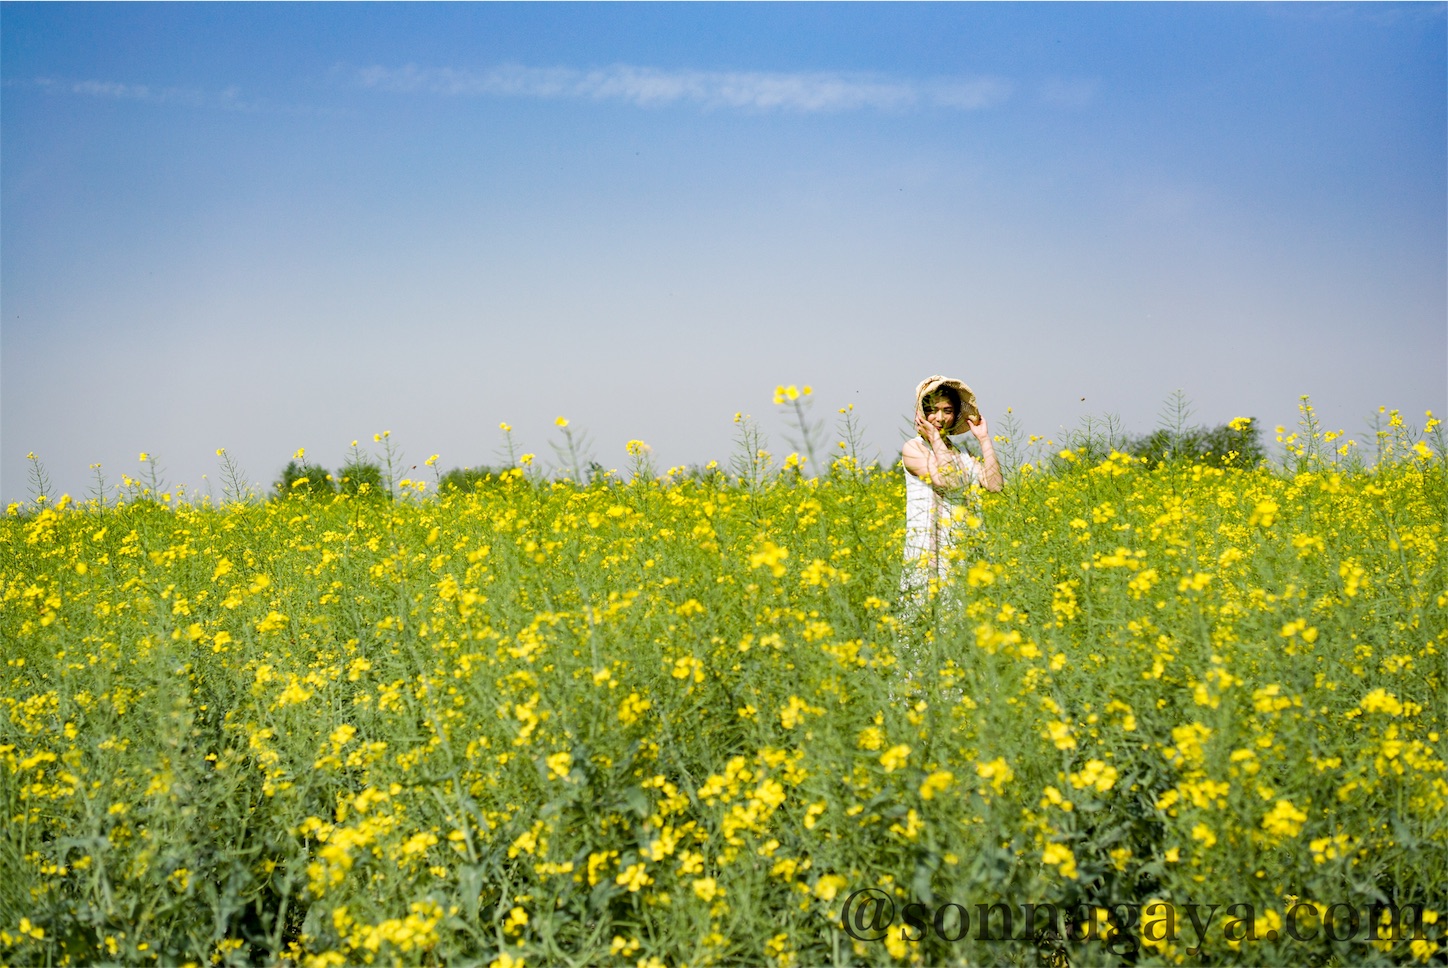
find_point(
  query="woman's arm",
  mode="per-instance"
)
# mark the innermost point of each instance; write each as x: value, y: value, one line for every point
x: 992, y: 478
x: 933, y: 461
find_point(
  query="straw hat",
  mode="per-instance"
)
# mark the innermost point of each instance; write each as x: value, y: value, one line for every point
x: 968, y: 408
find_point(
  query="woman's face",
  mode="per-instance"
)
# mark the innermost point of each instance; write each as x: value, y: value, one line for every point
x: 940, y: 413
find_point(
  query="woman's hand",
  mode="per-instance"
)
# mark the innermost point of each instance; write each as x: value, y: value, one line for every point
x: 978, y: 427
x: 991, y: 476
x: 928, y: 430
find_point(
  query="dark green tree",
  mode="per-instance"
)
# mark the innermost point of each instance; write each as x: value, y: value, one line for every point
x: 360, y: 476
x: 467, y: 478
x: 302, y: 478
x: 1236, y: 444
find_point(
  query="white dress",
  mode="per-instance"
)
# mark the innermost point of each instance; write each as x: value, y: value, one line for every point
x: 930, y: 525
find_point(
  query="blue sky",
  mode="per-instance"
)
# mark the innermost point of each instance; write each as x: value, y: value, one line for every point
x: 265, y: 227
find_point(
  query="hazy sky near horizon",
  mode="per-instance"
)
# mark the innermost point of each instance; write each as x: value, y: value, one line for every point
x: 265, y: 227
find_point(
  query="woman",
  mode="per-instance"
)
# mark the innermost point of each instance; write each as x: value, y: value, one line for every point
x: 938, y: 476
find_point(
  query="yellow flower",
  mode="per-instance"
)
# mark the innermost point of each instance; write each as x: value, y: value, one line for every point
x: 1423, y: 949
x: 935, y: 782
x: 301, y: 453
x: 1284, y: 820
x: 829, y: 887
x: 1329, y: 848
x: 559, y: 764
x: 1059, y: 734
x: 561, y: 422
x: 686, y: 667
x: 997, y: 771
x: 769, y: 555
x: 894, y: 757
x: 274, y: 620
x: 632, y: 708
x: 1060, y: 856
x: 794, y: 710
x: 1381, y: 701
x: 1097, y: 775
x: 912, y: 826
x: 1052, y: 797
x: 706, y: 889
x: 634, y: 878
x: 896, y: 946
x: 1264, y: 514
x: 1195, y: 582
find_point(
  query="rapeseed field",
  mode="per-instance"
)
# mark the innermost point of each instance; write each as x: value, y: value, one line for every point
x: 685, y: 718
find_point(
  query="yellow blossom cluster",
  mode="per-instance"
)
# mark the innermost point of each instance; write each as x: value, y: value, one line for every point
x: 681, y: 719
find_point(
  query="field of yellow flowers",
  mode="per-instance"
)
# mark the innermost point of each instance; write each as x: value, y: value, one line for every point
x: 684, y: 719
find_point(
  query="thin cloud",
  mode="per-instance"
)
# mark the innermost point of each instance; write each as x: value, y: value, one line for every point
x: 117, y: 91
x: 802, y: 92
x: 226, y: 99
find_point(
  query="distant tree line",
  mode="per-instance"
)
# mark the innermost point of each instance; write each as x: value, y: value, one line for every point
x: 366, y: 477
x: 1237, y: 444
x: 355, y: 477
